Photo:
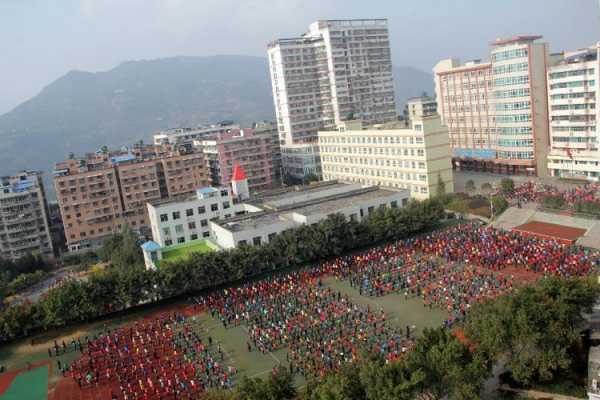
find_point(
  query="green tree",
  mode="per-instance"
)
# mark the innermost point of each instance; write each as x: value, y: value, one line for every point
x: 534, y: 328
x: 507, y: 185
x: 470, y: 186
x: 441, y: 186
x: 500, y: 204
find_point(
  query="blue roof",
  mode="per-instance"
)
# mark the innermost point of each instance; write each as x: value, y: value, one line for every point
x: 123, y: 158
x: 151, y: 246
x: 206, y: 190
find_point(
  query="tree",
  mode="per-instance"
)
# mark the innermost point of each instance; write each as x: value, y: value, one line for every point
x: 507, y: 185
x: 554, y: 202
x: 500, y: 204
x: 441, y: 186
x: 534, y: 328
x: 486, y: 188
x: 470, y: 186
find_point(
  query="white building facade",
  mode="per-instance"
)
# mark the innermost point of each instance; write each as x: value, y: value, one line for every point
x: 182, y: 221
x: 416, y: 159
x: 573, y: 90
x: 339, y: 69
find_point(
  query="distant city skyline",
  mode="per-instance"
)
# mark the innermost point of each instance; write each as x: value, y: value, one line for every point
x: 42, y: 40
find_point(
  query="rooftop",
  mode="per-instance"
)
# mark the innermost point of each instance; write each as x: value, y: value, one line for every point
x: 515, y: 39
x: 325, y: 198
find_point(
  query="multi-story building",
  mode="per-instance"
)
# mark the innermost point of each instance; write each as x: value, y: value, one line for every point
x: 573, y: 90
x: 101, y: 192
x: 24, y: 221
x: 255, y: 150
x: 497, y: 112
x: 188, y: 135
x: 338, y: 70
x: 417, y: 158
x: 419, y: 107
x: 181, y: 221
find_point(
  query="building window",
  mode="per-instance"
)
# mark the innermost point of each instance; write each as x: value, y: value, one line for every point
x: 394, y: 204
x: 205, y: 234
x: 224, y: 192
x: 256, y: 241
x: 201, y: 210
x: 176, y: 215
x: 242, y: 242
x: 164, y: 217
x: 168, y: 242
x: 214, y: 207
x: 193, y: 236
x: 189, y: 212
x: 226, y: 205
x: 167, y: 231
x: 192, y: 225
x: 181, y: 240
x: 179, y: 228
x: 204, y: 222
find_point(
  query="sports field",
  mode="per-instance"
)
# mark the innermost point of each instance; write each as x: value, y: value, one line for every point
x: 233, y: 340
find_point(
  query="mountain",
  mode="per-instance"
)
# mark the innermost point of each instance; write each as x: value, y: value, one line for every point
x: 82, y: 111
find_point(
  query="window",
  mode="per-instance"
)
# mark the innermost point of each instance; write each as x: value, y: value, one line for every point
x: 226, y: 205
x: 204, y: 222
x: 205, y: 234
x: 181, y: 240
x: 394, y: 204
x: 193, y: 236
x: 164, y: 217
x: 214, y: 207
x: 242, y: 242
x: 256, y: 241
x: 179, y: 228
x: 224, y: 192
x: 272, y: 236
x: 192, y: 225
x: 168, y: 242
x: 189, y: 212
x: 167, y: 231
x: 176, y: 215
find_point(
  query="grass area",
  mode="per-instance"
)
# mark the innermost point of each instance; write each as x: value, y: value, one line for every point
x: 174, y: 253
x: 29, y: 385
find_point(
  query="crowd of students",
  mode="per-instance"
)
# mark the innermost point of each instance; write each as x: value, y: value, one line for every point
x: 533, y: 192
x: 322, y: 329
x: 160, y: 358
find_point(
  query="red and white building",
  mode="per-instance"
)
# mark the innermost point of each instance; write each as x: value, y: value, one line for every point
x: 497, y: 111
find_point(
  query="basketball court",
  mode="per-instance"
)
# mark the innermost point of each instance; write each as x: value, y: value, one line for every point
x: 545, y: 230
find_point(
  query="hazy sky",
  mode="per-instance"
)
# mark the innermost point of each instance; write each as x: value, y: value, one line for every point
x: 40, y: 40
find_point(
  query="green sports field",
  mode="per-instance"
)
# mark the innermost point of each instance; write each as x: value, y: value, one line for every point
x: 29, y: 385
x: 184, y: 250
x: 400, y: 313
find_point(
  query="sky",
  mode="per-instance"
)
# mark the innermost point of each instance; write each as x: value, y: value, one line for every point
x: 41, y: 40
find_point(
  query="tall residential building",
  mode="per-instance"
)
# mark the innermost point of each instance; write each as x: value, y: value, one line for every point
x: 255, y: 150
x: 497, y: 112
x: 417, y: 158
x: 101, y: 192
x: 338, y: 70
x: 573, y: 90
x: 24, y: 221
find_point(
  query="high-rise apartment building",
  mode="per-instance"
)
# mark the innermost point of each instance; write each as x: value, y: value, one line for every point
x: 103, y: 191
x: 573, y: 90
x: 497, y: 112
x: 255, y: 150
x: 338, y: 70
x: 24, y: 222
x: 416, y: 158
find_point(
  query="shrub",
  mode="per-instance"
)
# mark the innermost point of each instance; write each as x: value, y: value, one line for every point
x: 555, y: 202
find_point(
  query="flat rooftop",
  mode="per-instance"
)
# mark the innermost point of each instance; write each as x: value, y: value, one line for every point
x: 321, y: 199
